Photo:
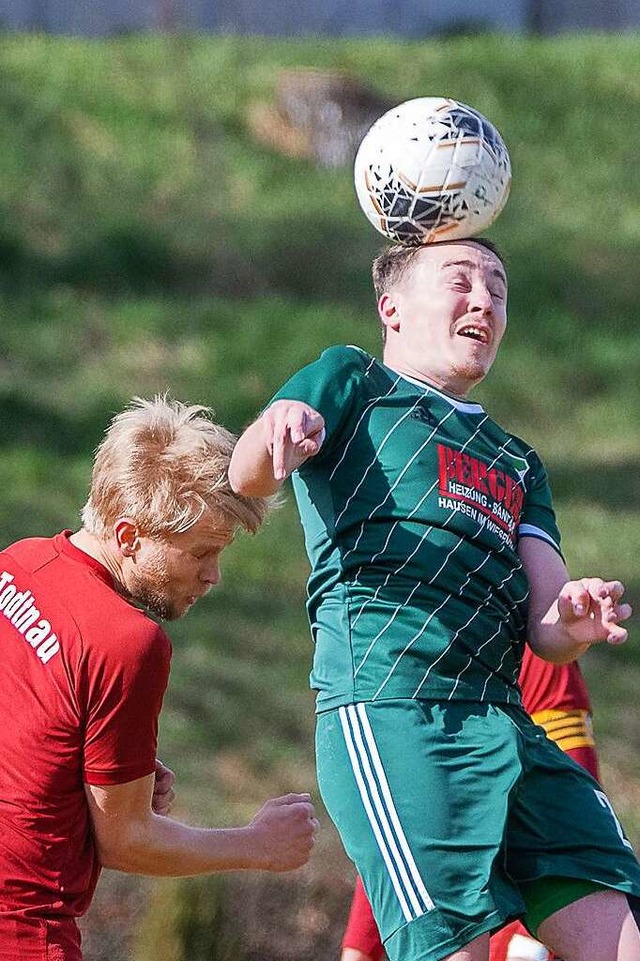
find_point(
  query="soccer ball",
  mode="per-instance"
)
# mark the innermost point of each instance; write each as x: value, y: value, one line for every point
x: 432, y: 169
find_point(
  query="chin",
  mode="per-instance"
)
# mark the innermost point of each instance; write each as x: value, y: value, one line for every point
x: 171, y: 614
x: 160, y: 607
x: 474, y: 374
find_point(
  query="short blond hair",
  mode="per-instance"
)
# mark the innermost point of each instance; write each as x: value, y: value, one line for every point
x: 164, y: 464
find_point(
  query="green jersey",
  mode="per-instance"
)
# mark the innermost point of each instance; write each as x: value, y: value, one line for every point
x: 412, y: 513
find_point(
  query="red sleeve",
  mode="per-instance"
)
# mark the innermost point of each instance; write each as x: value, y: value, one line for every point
x: 126, y: 685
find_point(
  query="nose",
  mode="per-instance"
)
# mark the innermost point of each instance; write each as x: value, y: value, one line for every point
x: 481, y: 300
x: 210, y: 572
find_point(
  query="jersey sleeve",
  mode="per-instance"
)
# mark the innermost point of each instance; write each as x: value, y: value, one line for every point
x: 125, y: 692
x: 538, y: 517
x: 329, y: 385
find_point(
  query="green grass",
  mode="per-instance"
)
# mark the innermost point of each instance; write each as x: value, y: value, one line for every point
x: 148, y: 243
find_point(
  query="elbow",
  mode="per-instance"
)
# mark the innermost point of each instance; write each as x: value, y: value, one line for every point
x: 249, y: 484
x: 238, y: 483
x: 112, y: 861
x: 115, y: 858
x: 123, y: 852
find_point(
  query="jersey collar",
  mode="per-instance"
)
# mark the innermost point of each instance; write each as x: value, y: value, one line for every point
x: 64, y: 545
x: 465, y: 406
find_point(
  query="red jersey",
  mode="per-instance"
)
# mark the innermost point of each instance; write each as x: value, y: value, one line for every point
x: 551, y: 687
x: 556, y: 697
x: 81, y: 687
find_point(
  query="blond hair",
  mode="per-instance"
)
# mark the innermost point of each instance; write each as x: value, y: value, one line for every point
x: 163, y: 464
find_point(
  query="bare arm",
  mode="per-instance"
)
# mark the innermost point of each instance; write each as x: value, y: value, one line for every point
x: 281, y: 439
x: 131, y: 837
x: 566, y: 617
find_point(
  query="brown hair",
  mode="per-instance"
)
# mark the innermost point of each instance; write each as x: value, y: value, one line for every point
x: 390, y: 266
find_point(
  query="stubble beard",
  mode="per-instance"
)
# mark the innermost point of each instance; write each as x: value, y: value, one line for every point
x: 157, y: 604
x: 150, y: 589
x: 473, y: 370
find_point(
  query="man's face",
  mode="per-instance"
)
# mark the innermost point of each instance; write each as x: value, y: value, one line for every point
x: 170, y: 574
x: 446, y: 316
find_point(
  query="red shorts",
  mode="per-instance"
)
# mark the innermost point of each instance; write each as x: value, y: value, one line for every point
x: 39, y: 939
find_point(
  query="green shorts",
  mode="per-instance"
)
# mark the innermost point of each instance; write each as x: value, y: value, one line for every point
x: 448, y: 808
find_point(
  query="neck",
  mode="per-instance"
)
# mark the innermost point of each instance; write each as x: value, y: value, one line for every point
x: 102, y: 552
x: 450, y: 386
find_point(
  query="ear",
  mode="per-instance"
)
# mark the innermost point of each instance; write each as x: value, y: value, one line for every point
x: 127, y: 536
x: 388, y: 312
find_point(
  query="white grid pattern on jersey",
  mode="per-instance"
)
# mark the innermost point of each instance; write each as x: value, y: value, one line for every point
x: 394, y: 526
x: 464, y: 626
x: 492, y: 591
x: 397, y: 481
x: 393, y: 616
x: 373, y: 463
x: 372, y: 403
x: 495, y: 633
x: 518, y: 601
x: 399, y: 607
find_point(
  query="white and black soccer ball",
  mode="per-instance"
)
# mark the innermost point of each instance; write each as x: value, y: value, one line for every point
x: 432, y: 169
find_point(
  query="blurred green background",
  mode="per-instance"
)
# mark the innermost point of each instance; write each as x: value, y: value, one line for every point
x: 149, y: 243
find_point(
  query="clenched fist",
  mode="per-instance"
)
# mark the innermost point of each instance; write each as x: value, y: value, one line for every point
x: 284, y: 832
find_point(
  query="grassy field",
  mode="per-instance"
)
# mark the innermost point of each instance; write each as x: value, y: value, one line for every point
x: 148, y: 243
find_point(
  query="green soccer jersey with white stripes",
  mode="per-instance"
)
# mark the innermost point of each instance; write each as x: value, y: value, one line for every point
x: 412, y: 513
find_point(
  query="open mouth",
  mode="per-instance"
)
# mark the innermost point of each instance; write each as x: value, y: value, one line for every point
x: 473, y: 332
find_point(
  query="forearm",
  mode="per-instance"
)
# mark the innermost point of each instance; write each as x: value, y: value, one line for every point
x: 567, y: 616
x: 130, y: 837
x: 251, y: 467
x: 548, y: 639
x: 280, y: 441
x: 163, y: 847
x: 584, y: 612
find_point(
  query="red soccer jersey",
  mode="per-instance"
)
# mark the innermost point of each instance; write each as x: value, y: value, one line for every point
x: 81, y: 687
x: 551, y: 687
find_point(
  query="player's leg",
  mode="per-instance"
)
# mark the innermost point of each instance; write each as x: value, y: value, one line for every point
x: 572, y: 732
x: 361, y: 940
x: 600, y: 926
x: 412, y: 788
x: 477, y: 950
x: 564, y: 834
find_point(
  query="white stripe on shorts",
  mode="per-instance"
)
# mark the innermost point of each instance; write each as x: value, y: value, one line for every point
x: 378, y: 803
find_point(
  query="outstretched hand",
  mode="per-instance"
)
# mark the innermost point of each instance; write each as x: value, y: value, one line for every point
x: 293, y: 432
x: 590, y: 610
x: 284, y: 832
